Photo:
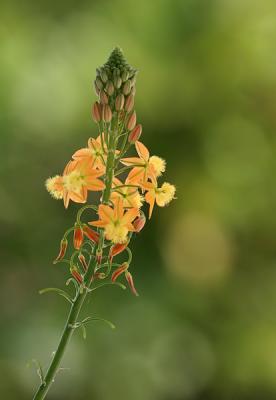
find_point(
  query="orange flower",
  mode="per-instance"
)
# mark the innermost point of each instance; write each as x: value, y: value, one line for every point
x: 78, y: 178
x: 116, y: 221
x: 129, y: 195
x: 144, y: 166
x: 94, y: 152
x: 161, y: 196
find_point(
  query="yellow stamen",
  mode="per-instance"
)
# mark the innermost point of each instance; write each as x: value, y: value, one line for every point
x: 158, y: 164
x: 165, y: 194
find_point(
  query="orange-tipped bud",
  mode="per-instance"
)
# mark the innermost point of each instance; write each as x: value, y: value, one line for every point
x: 131, y: 122
x: 107, y: 113
x: 83, y: 262
x: 92, y: 235
x: 78, y: 237
x: 119, y: 271
x: 129, y: 103
x: 127, y: 87
x: 97, y: 112
x: 135, y: 134
x: 139, y: 222
x: 75, y: 273
x: 109, y: 88
x: 103, y: 97
x: 119, y: 102
x: 131, y: 283
x: 117, y: 249
x: 62, y: 250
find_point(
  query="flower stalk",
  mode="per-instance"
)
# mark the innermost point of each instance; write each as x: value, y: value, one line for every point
x: 96, y: 168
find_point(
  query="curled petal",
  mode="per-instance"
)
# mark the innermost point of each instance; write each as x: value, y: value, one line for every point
x: 131, y: 283
x: 119, y: 271
x: 62, y: 250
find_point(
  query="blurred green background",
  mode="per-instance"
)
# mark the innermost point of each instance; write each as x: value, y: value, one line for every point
x: 204, y: 326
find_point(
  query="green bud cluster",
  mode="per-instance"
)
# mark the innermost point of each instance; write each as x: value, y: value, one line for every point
x: 115, y: 83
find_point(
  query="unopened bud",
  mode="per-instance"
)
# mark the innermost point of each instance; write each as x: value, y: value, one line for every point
x: 117, y: 249
x: 97, y: 90
x: 62, y: 250
x: 129, y: 103
x: 131, y: 283
x: 117, y: 82
x: 119, y: 102
x: 92, y: 235
x: 107, y: 113
x: 97, y: 112
x: 83, y: 262
x: 125, y: 76
x: 109, y: 88
x: 104, y: 76
x: 131, y: 122
x: 78, y: 237
x: 103, y: 97
x: 135, y: 134
x: 126, y: 87
x: 98, y: 83
x: 75, y: 273
x: 119, y: 271
x: 139, y: 222
x: 133, y: 90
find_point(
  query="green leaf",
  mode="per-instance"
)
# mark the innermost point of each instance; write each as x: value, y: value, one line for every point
x: 58, y: 291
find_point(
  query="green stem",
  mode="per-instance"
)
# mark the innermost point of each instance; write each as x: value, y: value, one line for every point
x: 81, y: 295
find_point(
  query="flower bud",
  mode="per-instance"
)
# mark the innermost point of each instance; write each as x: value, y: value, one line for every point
x: 125, y: 75
x: 104, y: 76
x: 117, y: 249
x: 129, y: 103
x: 75, y: 273
x: 126, y: 87
x: 117, y: 82
x: 131, y: 283
x: 139, y: 222
x: 131, y: 122
x: 135, y: 134
x: 92, y: 235
x: 99, y: 275
x: 98, y: 83
x: 109, y: 88
x: 97, y: 90
x: 99, y: 256
x: 83, y: 262
x: 133, y: 90
x: 107, y: 113
x: 119, y: 102
x: 97, y: 112
x: 103, y: 97
x: 119, y: 271
x: 62, y: 250
x: 133, y: 81
x: 78, y: 237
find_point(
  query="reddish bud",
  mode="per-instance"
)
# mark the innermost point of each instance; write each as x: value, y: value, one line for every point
x: 107, y: 113
x: 109, y: 88
x: 119, y: 102
x: 78, y: 237
x: 139, y: 222
x: 135, y: 134
x: 131, y: 283
x: 129, y: 103
x: 117, y: 249
x: 75, y: 273
x: 127, y: 87
x: 92, y: 235
x: 131, y: 122
x: 62, y: 250
x: 83, y: 262
x: 119, y: 271
x: 103, y: 97
x: 97, y: 112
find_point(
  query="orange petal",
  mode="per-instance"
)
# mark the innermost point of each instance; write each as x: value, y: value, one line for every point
x: 142, y: 150
x: 82, y: 153
x: 98, y: 223
x: 105, y: 213
x: 95, y: 185
x: 130, y: 215
x: 129, y: 161
x: 150, y: 199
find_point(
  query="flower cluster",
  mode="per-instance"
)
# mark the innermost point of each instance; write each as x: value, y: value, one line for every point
x: 125, y: 183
